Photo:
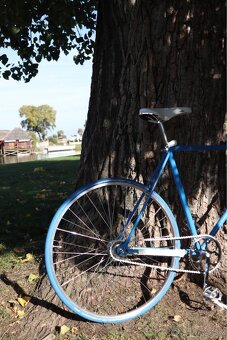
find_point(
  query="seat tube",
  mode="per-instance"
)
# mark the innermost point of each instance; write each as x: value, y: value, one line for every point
x: 219, y: 224
x: 181, y: 192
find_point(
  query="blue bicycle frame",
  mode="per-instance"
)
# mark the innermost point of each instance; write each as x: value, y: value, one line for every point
x: 168, y: 157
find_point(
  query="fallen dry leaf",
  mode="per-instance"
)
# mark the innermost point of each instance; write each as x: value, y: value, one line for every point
x: 32, y: 278
x: 177, y: 318
x: 64, y: 329
x: 20, y: 314
x: 28, y: 257
x: 39, y: 169
x: 24, y: 300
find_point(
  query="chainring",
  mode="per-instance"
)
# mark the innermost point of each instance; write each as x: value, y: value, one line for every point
x: 205, y: 251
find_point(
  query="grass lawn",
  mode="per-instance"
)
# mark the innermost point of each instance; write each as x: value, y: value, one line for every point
x: 30, y: 193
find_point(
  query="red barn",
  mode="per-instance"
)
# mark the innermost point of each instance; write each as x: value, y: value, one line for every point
x: 15, y: 142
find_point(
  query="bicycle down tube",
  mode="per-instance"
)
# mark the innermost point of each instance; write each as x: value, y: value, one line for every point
x: 150, y: 189
x: 168, y: 157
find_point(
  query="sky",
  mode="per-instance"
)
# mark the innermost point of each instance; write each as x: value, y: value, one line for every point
x: 62, y: 85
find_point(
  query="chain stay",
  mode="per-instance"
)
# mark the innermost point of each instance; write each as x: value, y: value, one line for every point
x: 178, y: 270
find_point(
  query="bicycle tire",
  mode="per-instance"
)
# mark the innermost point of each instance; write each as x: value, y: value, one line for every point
x: 78, y: 263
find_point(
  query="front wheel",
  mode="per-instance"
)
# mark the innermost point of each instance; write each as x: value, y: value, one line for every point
x: 79, y: 264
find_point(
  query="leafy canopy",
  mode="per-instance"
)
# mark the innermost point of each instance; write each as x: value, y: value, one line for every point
x: 39, y: 119
x: 41, y: 29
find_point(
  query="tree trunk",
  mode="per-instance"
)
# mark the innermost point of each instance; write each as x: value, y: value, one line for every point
x: 152, y: 53
x: 159, y: 54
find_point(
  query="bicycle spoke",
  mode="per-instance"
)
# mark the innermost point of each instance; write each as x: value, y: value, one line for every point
x: 82, y: 273
x: 83, y: 235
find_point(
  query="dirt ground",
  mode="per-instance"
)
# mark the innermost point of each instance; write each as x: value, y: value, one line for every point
x: 182, y: 314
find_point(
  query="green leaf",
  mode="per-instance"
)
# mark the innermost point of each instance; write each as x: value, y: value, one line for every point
x: 38, y: 58
x: 6, y: 74
x: 79, y: 40
x: 4, y: 59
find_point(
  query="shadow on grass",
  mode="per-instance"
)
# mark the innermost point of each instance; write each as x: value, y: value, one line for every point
x: 30, y: 193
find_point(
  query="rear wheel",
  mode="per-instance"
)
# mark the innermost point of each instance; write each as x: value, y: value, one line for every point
x: 79, y: 248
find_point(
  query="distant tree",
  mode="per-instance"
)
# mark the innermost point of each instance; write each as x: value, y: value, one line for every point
x: 39, y: 29
x: 53, y: 140
x: 39, y: 119
x: 80, y: 132
x: 35, y: 139
x: 60, y: 133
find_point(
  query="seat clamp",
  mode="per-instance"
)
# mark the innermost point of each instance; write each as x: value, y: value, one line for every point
x: 172, y: 143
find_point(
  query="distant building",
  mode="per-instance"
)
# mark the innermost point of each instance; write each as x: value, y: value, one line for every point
x: 15, y: 142
x: 75, y: 138
x: 62, y: 140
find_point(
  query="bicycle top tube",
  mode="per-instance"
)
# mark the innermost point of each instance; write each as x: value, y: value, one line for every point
x: 176, y: 148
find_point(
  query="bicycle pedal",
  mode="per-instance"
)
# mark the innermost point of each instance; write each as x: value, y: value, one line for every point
x: 215, y: 295
x: 211, y: 293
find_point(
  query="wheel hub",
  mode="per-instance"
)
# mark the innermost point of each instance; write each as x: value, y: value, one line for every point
x: 115, y: 248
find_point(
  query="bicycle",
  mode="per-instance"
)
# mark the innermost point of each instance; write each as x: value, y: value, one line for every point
x: 113, y: 247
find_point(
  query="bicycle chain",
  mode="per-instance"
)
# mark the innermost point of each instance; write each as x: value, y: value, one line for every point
x: 178, y: 270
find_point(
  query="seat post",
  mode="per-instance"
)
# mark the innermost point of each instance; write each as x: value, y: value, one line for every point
x: 163, y: 133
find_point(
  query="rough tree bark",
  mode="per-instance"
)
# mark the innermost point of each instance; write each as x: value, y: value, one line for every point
x: 159, y: 54
x: 152, y: 53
